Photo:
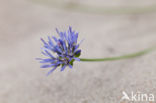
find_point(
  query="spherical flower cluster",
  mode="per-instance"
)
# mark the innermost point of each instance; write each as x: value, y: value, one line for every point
x: 62, y: 51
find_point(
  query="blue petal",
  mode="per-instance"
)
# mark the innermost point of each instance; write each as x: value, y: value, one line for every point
x: 59, y: 62
x: 61, y: 34
x: 47, y: 60
x: 44, y: 53
x: 70, y: 66
x: 44, y: 42
x: 63, y: 67
x: 75, y: 37
x: 77, y: 59
x: 76, y: 47
x: 70, y: 28
x: 66, y: 37
x: 49, y: 54
x: 55, y: 39
x: 57, y: 31
x: 50, y: 41
x: 64, y: 46
x: 51, y: 70
x: 58, y: 49
x: 47, y: 66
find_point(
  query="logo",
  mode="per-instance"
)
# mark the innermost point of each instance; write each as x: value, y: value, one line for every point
x: 137, y: 97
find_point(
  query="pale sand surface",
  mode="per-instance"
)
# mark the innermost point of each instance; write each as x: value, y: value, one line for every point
x: 23, y: 22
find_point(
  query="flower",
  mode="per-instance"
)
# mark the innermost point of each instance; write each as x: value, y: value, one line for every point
x: 61, y: 53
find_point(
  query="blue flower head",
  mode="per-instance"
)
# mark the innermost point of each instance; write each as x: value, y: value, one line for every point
x: 62, y: 51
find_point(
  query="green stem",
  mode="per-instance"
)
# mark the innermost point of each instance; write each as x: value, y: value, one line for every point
x: 120, y: 57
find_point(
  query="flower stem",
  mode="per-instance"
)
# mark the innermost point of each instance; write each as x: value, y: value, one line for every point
x: 140, y: 53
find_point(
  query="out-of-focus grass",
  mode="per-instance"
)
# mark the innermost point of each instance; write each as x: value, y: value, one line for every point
x: 73, y: 6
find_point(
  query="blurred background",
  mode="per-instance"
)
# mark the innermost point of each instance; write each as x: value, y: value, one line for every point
x: 110, y: 28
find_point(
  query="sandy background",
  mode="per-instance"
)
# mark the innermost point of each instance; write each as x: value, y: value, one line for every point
x: 23, y: 22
